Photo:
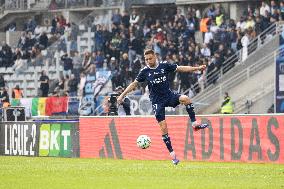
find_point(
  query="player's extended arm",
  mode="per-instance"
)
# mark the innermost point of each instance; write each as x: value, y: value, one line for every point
x: 130, y: 88
x: 190, y: 68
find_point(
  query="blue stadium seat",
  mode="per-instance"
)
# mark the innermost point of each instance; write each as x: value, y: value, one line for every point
x: 88, y: 98
x: 89, y: 88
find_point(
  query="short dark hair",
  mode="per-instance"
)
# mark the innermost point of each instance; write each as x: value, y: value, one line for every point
x: 149, y: 51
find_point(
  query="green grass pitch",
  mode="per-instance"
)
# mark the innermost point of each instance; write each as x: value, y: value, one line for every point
x: 35, y: 172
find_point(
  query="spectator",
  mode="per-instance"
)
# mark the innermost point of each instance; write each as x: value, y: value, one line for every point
x: 124, y: 43
x: 17, y: 92
x: 87, y: 61
x: 12, y: 27
x: 73, y: 86
x: 136, y: 66
x: 82, y: 83
x: 113, y: 65
x: 77, y: 64
x: 211, y: 11
x: 208, y: 36
x: 99, y: 38
x: 4, y: 97
x: 249, y: 23
x: 19, y: 62
x: 242, y: 24
x: 205, y: 51
x: 124, y: 107
x: 54, y: 24
x: 125, y: 19
x: 60, y: 84
x: 67, y: 65
x: 282, y: 10
x: 134, y: 18
x: 116, y: 18
x: 30, y: 25
x: 266, y: 19
x: 2, y: 81
x: 37, y: 31
x: 210, y: 73
x: 99, y: 59
x: 124, y: 69
x: 264, y: 8
x: 204, y: 22
x: 43, y: 40
x: 273, y: 6
x: 7, y: 57
x: 227, y: 105
x: 44, y: 84
x: 245, y: 42
x: 274, y: 16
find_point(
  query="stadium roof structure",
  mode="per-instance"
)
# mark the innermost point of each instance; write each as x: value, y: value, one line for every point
x: 150, y: 2
x: 206, y: 1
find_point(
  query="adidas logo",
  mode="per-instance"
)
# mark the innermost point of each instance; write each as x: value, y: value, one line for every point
x: 111, y: 142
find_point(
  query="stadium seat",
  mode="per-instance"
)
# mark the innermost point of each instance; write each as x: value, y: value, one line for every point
x: 52, y: 68
x: 88, y: 98
x: 7, y: 77
x: 9, y: 70
x: 89, y: 88
x: 82, y: 27
x: 38, y: 69
x: 49, y: 29
x: 30, y: 85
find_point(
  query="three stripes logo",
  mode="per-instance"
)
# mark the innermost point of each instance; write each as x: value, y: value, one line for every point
x: 111, y: 142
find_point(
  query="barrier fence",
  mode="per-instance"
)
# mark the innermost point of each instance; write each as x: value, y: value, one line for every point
x: 229, y: 138
x: 232, y: 138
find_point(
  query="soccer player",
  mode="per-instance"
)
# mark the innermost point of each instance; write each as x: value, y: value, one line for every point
x: 155, y: 73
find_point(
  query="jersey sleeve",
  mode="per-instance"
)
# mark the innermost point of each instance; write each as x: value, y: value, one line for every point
x: 170, y: 67
x: 141, y: 77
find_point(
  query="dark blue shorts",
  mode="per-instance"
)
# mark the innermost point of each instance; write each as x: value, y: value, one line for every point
x: 159, y: 108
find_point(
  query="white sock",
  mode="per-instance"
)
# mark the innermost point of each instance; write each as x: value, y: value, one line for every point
x: 173, y: 155
x: 194, y: 124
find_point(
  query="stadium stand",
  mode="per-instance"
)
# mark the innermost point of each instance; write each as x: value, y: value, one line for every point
x: 185, y: 35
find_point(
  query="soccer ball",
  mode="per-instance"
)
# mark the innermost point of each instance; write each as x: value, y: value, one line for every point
x: 143, y: 141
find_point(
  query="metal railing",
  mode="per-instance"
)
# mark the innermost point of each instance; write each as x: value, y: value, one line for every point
x: 236, y: 59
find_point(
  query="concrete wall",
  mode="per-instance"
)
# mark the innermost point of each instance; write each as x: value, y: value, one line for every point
x: 245, y: 87
x: 261, y: 105
x: 2, y: 36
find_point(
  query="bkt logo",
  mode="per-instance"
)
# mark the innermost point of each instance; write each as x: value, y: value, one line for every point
x: 55, y: 140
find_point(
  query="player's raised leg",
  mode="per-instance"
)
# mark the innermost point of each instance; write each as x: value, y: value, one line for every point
x: 183, y: 99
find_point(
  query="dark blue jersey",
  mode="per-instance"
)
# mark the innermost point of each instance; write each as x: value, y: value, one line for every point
x: 157, y: 79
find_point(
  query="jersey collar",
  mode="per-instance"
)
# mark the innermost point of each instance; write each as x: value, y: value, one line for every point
x: 157, y: 65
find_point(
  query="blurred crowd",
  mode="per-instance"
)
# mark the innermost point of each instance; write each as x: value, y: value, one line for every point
x: 173, y: 35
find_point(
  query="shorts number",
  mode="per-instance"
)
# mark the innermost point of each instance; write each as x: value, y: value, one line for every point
x: 155, y: 107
